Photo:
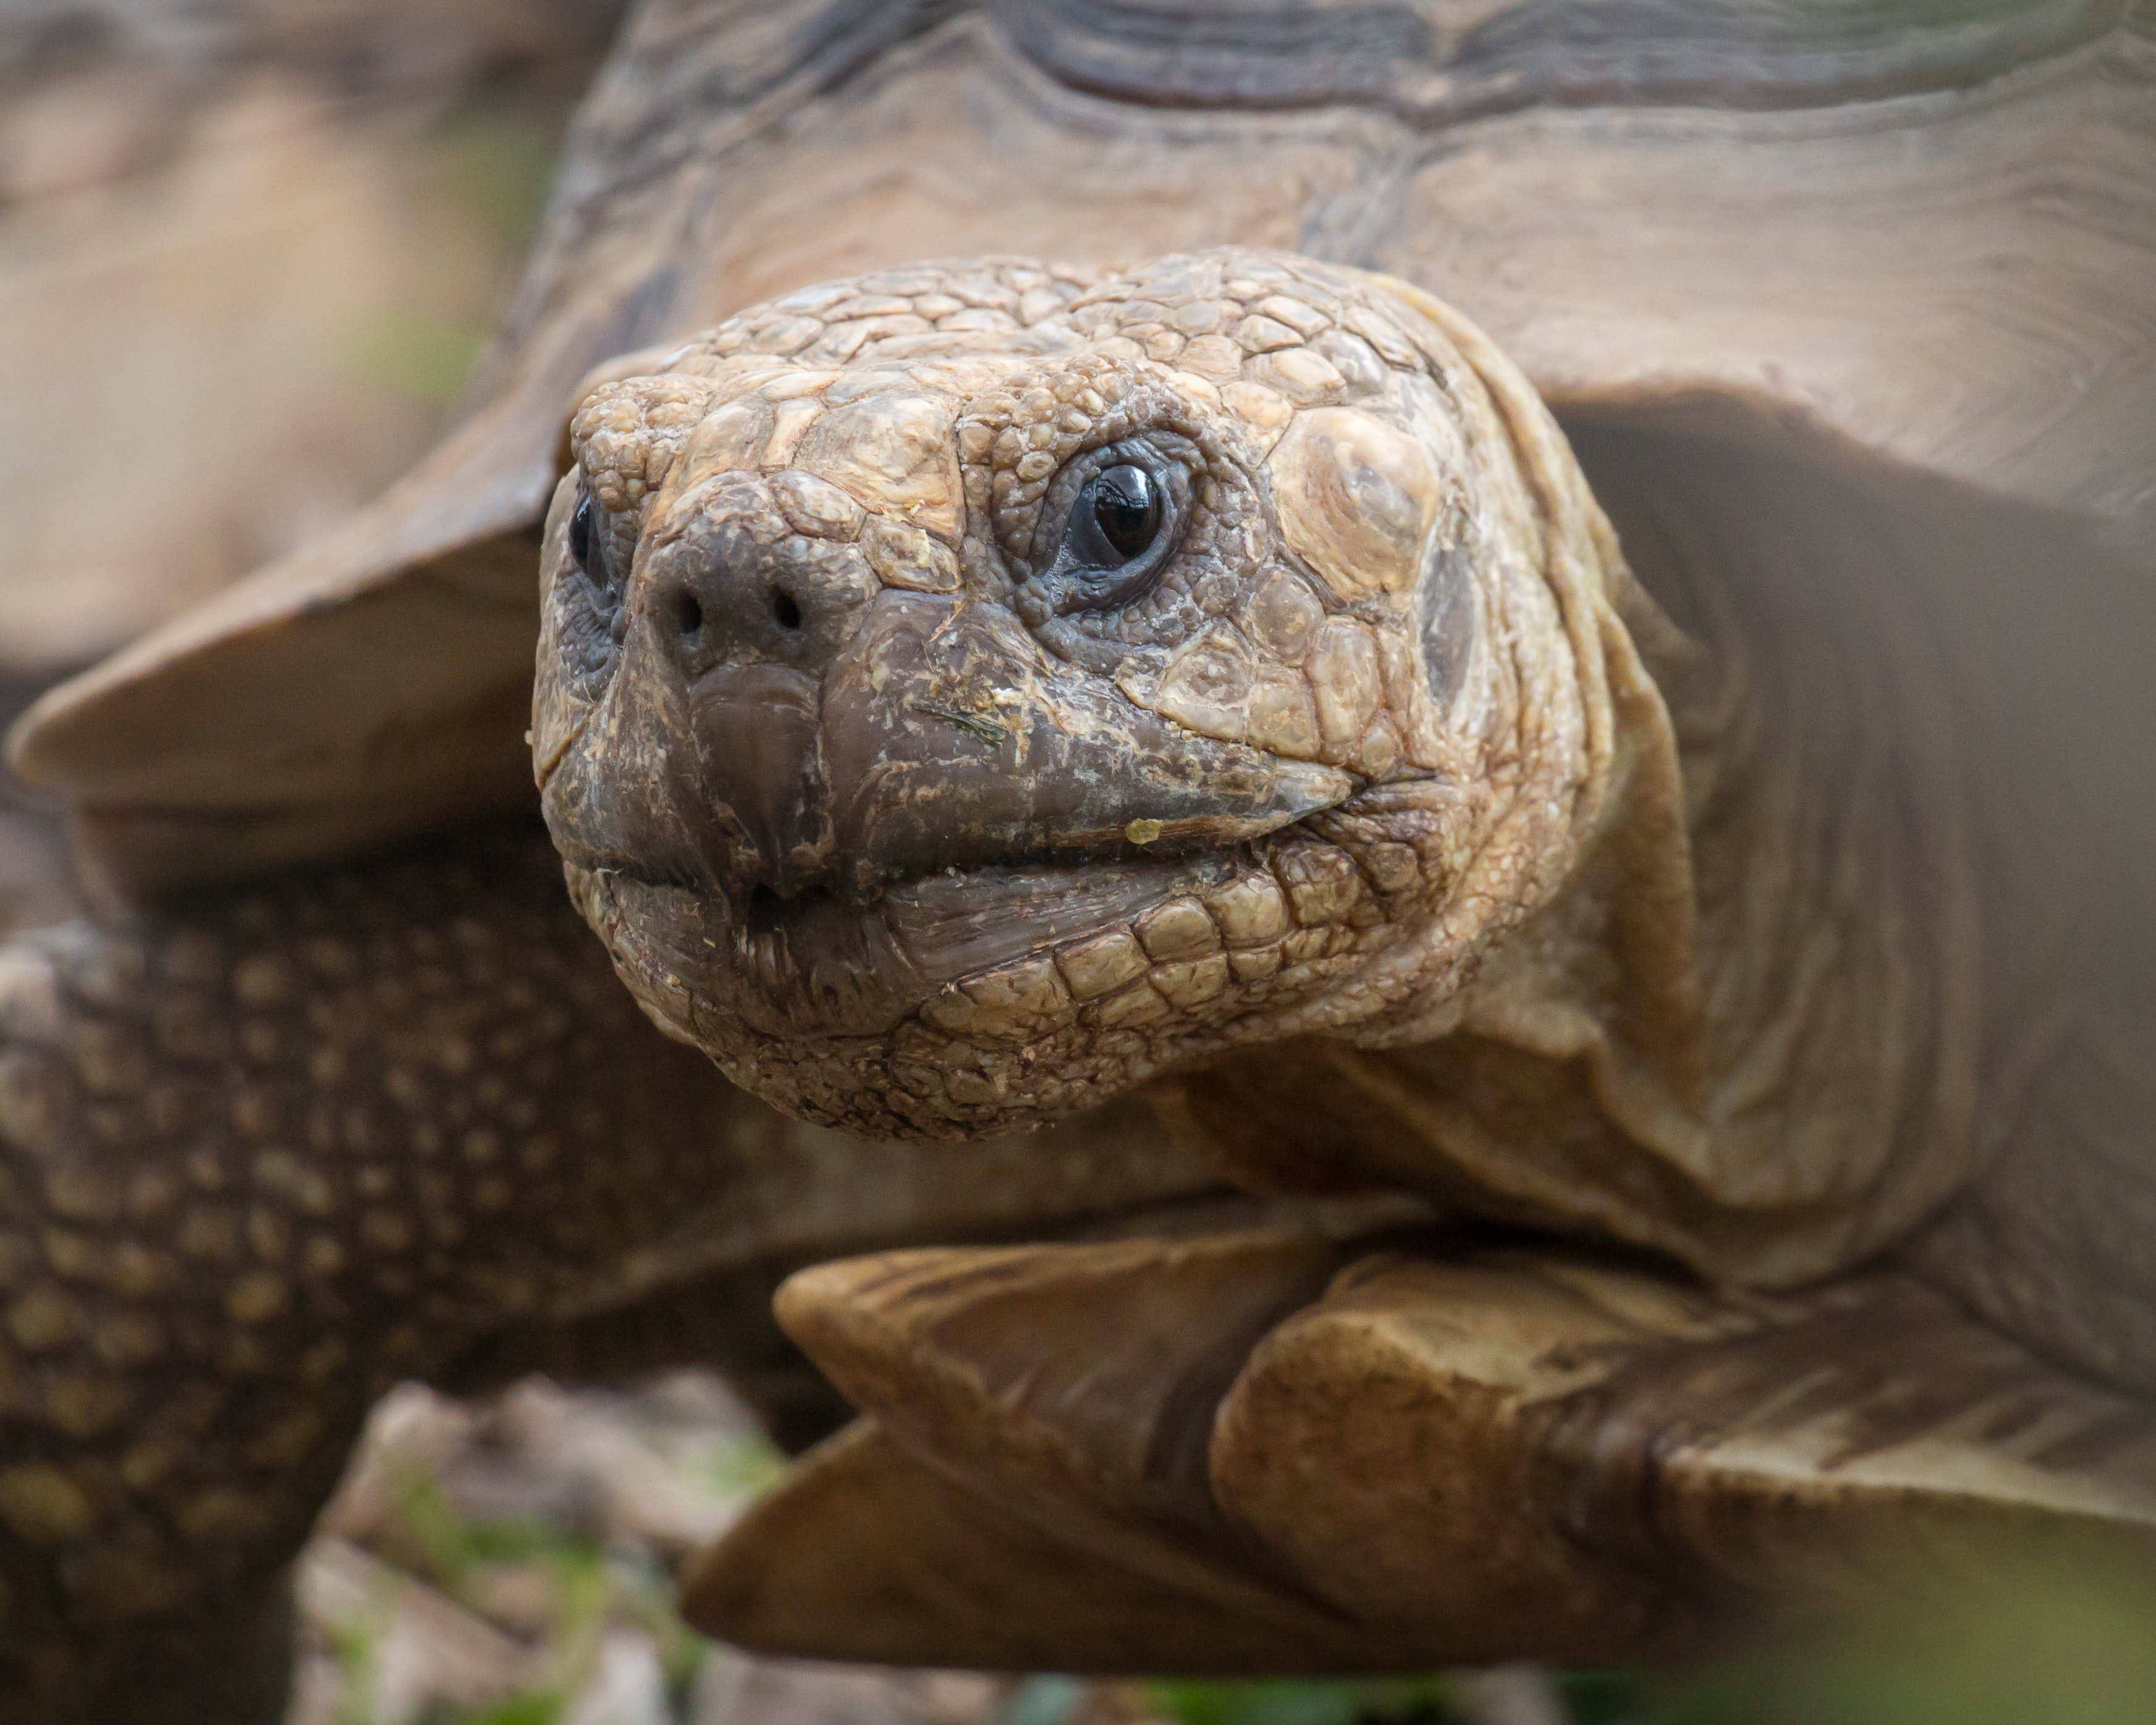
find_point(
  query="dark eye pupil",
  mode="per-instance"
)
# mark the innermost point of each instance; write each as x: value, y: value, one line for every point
x: 1126, y: 509
x: 580, y: 534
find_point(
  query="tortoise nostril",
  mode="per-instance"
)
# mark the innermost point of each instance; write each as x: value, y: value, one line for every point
x: 786, y: 611
x: 688, y: 613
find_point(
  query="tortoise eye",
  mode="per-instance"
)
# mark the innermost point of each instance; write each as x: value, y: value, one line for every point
x: 1125, y: 504
x: 580, y: 534
x: 1125, y: 520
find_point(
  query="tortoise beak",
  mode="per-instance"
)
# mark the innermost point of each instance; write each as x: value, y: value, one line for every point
x: 779, y: 722
x: 952, y: 741
x: 943, y: 738
x: 757, y: 798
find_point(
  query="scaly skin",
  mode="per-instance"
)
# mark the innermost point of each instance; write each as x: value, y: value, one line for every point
x: 1372, y: 816
x: 260, y: 1163
x: 1360, y: 808
x: 264, y: 1156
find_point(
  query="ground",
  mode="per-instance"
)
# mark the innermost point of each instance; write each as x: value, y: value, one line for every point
x: 507, y: 1562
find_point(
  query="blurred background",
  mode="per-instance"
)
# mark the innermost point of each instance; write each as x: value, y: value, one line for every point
x: 248, y: 251
x: 241, y: 237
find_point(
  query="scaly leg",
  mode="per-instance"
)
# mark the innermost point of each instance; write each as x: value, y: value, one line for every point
x: 264, y: 1156
x: 1273, y: 1452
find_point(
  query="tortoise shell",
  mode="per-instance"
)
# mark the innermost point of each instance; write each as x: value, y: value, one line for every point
x: 1907, y: 253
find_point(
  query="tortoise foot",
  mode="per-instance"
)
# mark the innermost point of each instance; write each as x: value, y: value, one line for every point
x: 1263, y: 1453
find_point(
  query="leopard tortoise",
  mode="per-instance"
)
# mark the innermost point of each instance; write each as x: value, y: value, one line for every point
x: 1474, y: 986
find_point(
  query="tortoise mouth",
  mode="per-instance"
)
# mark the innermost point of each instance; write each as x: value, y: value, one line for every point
x: 800, y: 858
x: 822, y: 961
x: 939, y: 739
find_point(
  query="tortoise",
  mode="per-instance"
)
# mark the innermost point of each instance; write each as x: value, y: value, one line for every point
x: 1466, y: 1005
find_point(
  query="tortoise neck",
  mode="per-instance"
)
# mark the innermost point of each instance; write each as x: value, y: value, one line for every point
x: 1746, y: 1031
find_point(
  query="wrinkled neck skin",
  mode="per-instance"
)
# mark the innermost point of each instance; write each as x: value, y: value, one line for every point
x: 1370, y: 814
x: 1750, y: 1028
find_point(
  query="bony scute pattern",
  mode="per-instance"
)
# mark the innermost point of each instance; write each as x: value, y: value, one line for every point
x: 1028, y: 823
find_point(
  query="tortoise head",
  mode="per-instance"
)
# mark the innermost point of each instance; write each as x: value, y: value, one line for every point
x: 966, y: 692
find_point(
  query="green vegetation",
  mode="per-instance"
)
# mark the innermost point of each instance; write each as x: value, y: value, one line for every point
x: 591, y: 1588
x: 420, y: 358
x: 744, y: 1468
x: 496, y: 164
x: 1417, y: 1700
x: 499, y: 164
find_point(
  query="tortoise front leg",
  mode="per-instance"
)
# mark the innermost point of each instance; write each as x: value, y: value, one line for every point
x: 259, y: 1158
x: 264, y: 1155
x: 1082, y: 1458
